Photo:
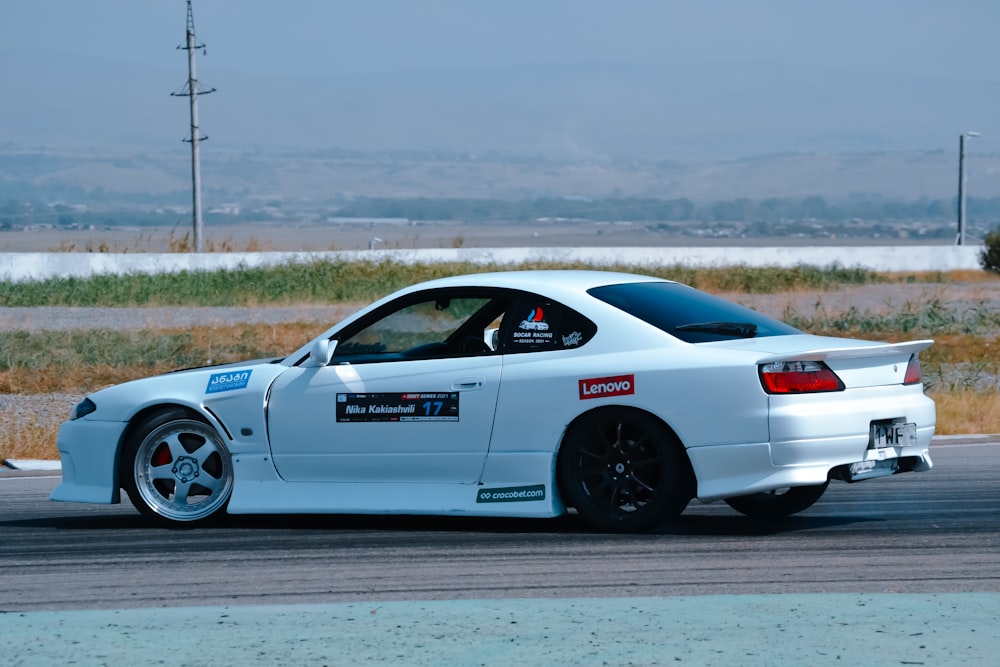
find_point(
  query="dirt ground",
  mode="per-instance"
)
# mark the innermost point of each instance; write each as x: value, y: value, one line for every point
x: 360, y: 236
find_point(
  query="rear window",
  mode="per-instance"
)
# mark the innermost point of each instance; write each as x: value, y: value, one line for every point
x: 688, y: 314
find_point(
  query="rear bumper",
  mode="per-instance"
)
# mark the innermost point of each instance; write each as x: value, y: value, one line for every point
x: 736, y: 470
x: 88, y: 450
x: 818, y: 437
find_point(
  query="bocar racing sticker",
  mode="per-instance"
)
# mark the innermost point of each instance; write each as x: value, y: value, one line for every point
x: 411, y: 407
x: 511, y: 494
x: 536, y: 330
x: 616, y: 385
x: 218, y: 382
x: 536, y: 324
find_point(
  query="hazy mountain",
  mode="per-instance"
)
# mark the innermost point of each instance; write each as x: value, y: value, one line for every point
x: 700, y: 110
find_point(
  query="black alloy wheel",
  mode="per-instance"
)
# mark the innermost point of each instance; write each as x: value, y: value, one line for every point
x: 778, y: 503
x: 623, y: 470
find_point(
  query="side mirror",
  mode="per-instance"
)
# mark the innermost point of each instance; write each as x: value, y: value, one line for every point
x: 492, y: 338
x: 320, y: 353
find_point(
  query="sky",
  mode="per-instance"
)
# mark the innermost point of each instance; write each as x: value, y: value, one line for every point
x: 584, y: 79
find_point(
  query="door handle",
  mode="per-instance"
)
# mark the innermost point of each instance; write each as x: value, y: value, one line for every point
x: 468, y: 383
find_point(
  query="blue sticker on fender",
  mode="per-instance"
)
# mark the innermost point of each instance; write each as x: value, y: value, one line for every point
x: 227, y: 381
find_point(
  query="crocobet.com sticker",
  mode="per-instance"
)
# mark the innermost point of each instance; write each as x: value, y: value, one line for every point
x: 218, y: 382
x: 511, y: 494
x: 617, y: 385
x: 409, y: 407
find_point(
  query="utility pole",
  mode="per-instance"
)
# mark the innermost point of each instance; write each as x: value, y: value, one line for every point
x: 960, y: 238
x: 191, y: 91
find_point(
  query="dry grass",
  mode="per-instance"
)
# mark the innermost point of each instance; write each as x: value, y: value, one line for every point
x: 962, y: 370
x: 22, y: 439
x: 172, y: 243
x: 967, y: 412
x: 204, y: 345
x: 34, y: 437
x: 954, y: 276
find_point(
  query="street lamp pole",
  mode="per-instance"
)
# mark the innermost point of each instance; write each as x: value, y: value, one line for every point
x: 960, y: 239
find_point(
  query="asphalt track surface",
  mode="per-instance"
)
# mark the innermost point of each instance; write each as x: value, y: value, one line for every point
x: 904, y: 570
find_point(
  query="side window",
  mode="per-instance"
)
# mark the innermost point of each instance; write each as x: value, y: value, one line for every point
x: 439, y: 324
x: 539, y: 325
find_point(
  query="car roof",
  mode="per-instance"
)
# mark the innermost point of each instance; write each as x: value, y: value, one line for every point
x: 550, y: 282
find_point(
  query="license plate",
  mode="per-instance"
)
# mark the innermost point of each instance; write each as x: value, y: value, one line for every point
x: 892, y: 433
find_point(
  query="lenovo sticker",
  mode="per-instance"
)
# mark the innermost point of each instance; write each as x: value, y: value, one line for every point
x: 619, y: 385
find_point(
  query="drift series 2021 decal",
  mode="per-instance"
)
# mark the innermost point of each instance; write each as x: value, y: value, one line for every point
x: 409, y: 407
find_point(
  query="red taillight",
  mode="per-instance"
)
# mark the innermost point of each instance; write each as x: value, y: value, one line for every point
x: 912, y: 371
x: 798, y: 377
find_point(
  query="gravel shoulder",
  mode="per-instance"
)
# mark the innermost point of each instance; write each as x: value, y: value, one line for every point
x: 883, y: 298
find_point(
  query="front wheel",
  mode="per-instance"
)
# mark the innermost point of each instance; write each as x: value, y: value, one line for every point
x: 778, y: 503
x: 623, y: 471
x: 178, y: 470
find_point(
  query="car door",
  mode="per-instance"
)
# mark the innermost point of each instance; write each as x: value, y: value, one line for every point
x: 409, y: 396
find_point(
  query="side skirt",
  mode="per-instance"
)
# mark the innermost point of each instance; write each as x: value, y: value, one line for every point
x: 259, y: 490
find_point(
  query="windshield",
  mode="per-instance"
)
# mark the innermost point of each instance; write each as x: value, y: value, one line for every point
x: 688, y: 314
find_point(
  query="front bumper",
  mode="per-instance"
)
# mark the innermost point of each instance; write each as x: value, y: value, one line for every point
x: 88, y: 450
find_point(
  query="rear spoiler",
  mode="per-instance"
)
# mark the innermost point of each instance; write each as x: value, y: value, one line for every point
x: 858, y: 352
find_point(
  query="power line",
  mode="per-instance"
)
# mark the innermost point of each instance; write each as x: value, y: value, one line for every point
x: 192, y: 90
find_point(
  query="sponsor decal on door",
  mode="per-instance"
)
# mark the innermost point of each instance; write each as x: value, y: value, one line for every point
x: 616, y: 385
x: 409, y: 407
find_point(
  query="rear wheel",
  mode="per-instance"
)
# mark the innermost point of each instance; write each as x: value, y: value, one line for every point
x: 177, y: 470
x: 778, y: 503
x: 623, y: 471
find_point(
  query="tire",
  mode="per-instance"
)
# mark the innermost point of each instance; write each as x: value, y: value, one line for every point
x: 623, y: 471
x: 778, y: 503
x: 177, y: 471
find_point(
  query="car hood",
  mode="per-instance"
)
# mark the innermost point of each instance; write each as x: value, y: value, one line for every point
x: 193, y: 387
x: 235, y: 364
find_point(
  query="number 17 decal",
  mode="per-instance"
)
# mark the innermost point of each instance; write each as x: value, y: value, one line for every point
x: 409, y: 407
x: 433, y: 408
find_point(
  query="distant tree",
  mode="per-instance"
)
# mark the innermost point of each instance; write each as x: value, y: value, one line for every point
x: 774, y: 209
x: 989, y: 258
x: 937, y: 209
x: 732, y: 209
x: 814, y: 207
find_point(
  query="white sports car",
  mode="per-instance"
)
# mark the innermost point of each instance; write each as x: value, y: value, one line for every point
x: 515, y: 394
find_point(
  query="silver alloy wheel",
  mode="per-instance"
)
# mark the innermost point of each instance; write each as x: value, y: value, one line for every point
x: 183, y: 471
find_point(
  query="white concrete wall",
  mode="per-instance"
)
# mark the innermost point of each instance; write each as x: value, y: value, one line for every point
x: 27, y: 266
